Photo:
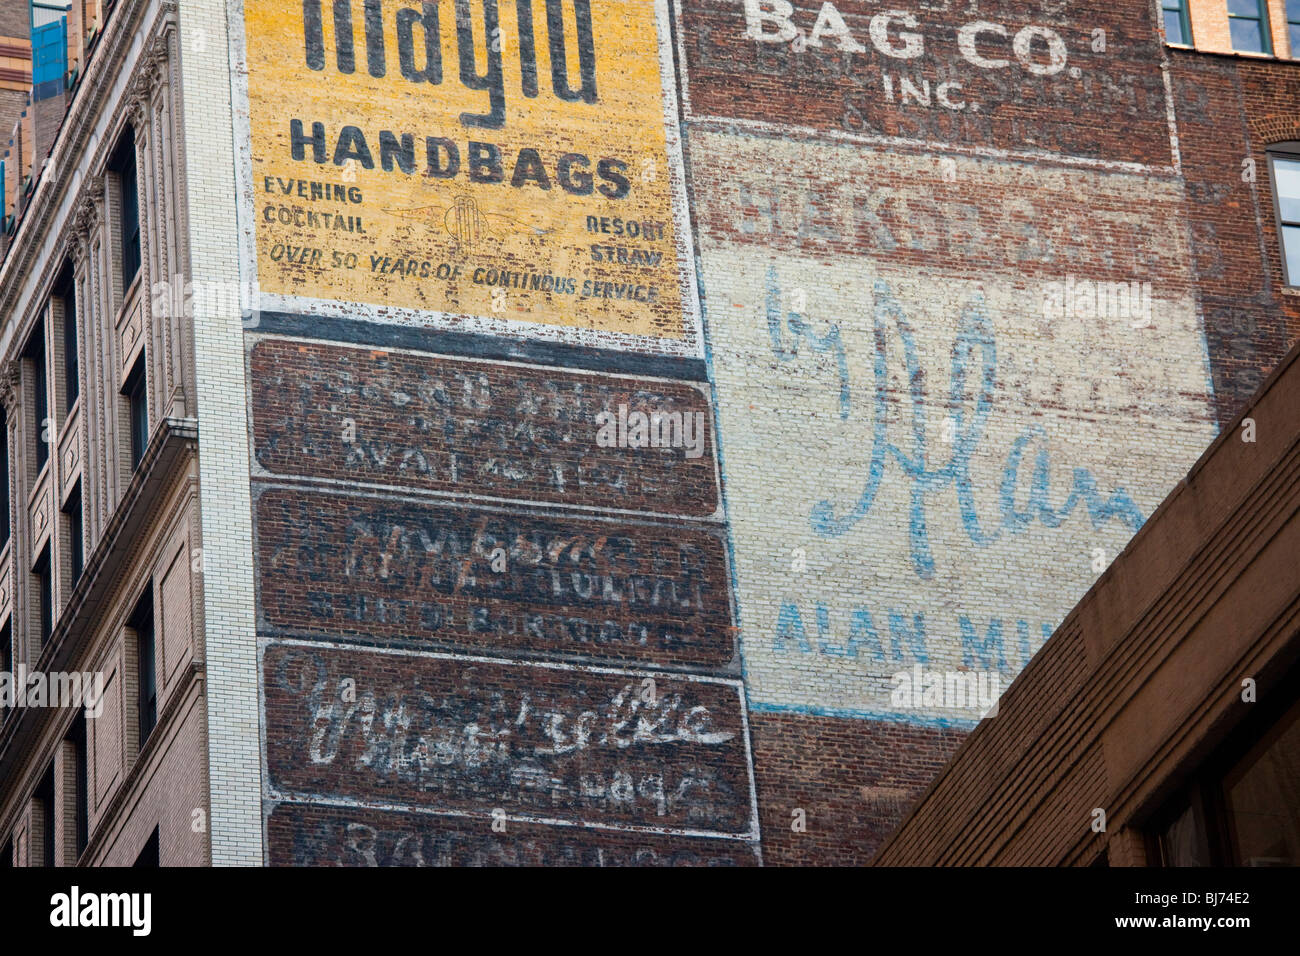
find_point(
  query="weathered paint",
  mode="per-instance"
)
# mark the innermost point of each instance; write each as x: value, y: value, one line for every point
x: 443, y: 164
x: 484, y: 428
x: 543, y: 741
x: 1010, y: 76
x: 927, y: 449
x: 333, y: 835
x: 493, y: 581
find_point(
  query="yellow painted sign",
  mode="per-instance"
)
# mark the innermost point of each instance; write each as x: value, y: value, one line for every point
x: 487, y: 158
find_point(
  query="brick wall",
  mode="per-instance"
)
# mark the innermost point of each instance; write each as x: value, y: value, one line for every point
x: 1229, y: 112
x: 964, y: 332
x: 47, y: 117
x: 163, y: 784
x: 12, y: 103
x: 171, y: 796
x: 546, y: 661
x: 220, y: 402
x: 853, y: 780
x: 919, y: 386
x: 15, y: 19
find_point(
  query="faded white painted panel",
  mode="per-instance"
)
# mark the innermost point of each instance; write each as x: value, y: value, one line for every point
x: 928, y: 460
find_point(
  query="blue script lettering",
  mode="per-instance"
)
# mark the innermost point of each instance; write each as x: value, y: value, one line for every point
x: 799, y: 329
x: 974, y: 355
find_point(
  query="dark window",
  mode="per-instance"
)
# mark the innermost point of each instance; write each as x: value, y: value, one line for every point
x: 142, y: 623
x: 35, y: 354
x: 149, y: 852
x: 77, y: 737
x: 1293, y: 26
x: 1177, y: 29
x: 76, y: 554
x: 1242, y: 806
x: 7, y: 855
x: 138, y: 397
x: 124, y: 165
x: 1284, y: 166
x: 6, y: 654
x: 45, y: 799
x: 45, y: 594
x: 5, y: 504
x: 1185, y: 839
x: 71, y: 369
x: 1262, y: 799
x: 1248, y: 26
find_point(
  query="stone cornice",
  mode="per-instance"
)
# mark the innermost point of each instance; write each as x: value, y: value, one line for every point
x: 74, y: 140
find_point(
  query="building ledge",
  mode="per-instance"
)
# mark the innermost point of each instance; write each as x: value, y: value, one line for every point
x: 1236, y: 55
x: 173, y: 442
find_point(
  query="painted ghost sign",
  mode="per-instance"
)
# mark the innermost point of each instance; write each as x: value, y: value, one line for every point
x: 546, y: 742
x: 496, y: 167
x: 1013, y: 75
x: 945, y: 406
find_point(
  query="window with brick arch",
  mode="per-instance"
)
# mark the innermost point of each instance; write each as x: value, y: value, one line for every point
x: 41, y: 573
x: 40, y: 410
x: 141, y: 622
x: 66, y: 291
x: 45, y: 806
x: 137, y: 396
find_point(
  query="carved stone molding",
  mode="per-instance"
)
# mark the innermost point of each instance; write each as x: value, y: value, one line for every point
x: 139, y: 94
x: 90, y: 208
x: 74, y: 246
x: 150, y: 76
x: 11, y: 378
x: 153, y: 59
x: 137, y: 109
